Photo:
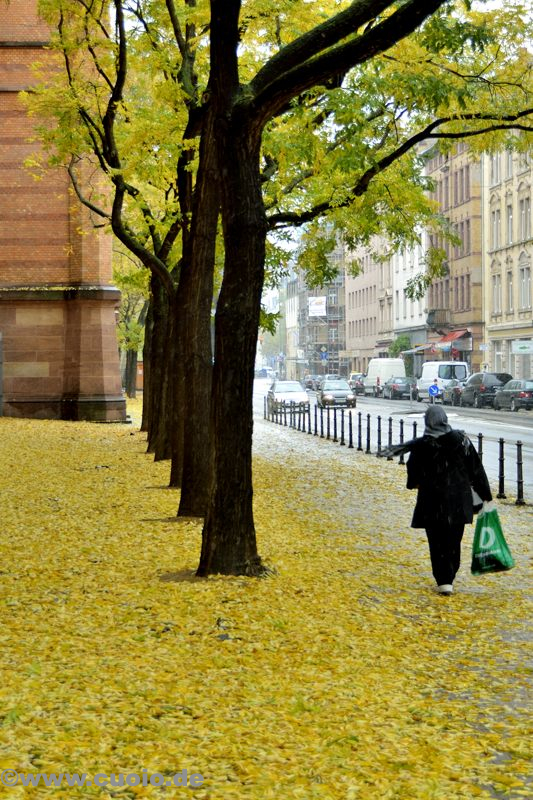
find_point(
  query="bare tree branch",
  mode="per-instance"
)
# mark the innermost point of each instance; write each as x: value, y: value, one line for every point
x: 508, y: 122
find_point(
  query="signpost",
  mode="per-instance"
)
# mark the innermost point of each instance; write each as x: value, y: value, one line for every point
x: 434, y: 391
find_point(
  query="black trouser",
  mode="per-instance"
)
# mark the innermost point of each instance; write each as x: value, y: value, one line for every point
x: 445, y: 551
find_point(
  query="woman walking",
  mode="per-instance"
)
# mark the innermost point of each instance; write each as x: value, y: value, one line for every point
x: 444, y: 467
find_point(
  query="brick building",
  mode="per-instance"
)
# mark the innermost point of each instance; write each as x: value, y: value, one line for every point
x: 57, y: 304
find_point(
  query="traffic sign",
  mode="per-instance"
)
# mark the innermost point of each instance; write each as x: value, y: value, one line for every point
x: 434, y: 390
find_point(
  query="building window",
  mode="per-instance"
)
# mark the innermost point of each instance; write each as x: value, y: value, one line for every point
x: 525, y: 218
x: 495, y: 221
x: 508, y: 163
x: 510, y: 305
x: 455, y: 293
x: 467, y: 291
x: 495, y: 169
x: 496, y: 294
x: 467, y: 182
x: 525, y: 287
x: 509, y: 216
x: 524, y: 160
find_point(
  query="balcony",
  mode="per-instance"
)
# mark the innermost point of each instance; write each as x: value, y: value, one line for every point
x: 438, y: 316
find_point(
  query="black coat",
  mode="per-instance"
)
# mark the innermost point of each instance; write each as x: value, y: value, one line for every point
x: 444, y: 470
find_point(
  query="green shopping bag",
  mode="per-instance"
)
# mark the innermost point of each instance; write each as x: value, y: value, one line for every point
x: 490, y: 552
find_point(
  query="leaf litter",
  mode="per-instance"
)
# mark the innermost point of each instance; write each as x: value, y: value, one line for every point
x: 340, y: 676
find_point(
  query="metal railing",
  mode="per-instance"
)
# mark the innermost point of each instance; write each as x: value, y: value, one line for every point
x: 358, y: 431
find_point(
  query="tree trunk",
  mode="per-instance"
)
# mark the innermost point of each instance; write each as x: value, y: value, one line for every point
x: 228, y: 540
x: 195, y: 294
x: 130, y: 373
x: 160, y: 353
x: 147, y: 366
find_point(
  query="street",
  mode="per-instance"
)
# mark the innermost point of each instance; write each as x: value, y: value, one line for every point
x: 513, y: 427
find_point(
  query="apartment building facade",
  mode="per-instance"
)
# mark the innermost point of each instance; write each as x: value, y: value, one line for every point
x: 508, y: 256
x: 455, y: 301
x: 480, y: 311
x: 368, y: 307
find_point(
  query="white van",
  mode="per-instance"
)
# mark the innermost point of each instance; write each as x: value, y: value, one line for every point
x: 380, y: 370
x: 444, y: 372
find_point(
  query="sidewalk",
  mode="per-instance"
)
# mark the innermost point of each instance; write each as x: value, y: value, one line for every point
x: 343, y: 676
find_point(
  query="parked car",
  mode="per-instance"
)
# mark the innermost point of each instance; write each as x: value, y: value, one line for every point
x: 443, y: 372
x: 379, y: 370
x: 329, y: 377
x: 451, y: 394
x: 283, y: 393
x: 480, y: 388
x: 311, y: 381
x: 356, y: 382
x: 335, y: 393
x: 400, y: 387
x: 515, y: 394
x: 265, y: 372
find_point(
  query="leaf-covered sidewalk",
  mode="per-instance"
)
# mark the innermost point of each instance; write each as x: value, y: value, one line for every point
x: 342, y: 676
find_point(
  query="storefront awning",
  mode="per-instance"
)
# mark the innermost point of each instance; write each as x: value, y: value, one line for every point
x: 453, y: 335
x: 419, y: 349
x: 460, y: 340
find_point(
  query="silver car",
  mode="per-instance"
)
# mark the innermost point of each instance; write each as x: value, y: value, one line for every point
x: 283, y: 393
x: 335, y: 393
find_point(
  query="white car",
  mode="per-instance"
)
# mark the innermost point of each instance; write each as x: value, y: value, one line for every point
x: 283, y: 393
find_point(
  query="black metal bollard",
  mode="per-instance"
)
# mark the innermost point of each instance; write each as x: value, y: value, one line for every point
x: 359, y: 431
x: 389, y: 458
x: 379, y: 433
x: 402, y: 461
x: 519, y: 476
x: 501, y: 471
x: 328, y: 424
x: 414, y: 429
x: 335, y: 425
x: 367, y: 433
x: 342, y: 427
x: 316, y: 420
x: 480, y: 446
x: 321, y: 422
x: 309, y: 419
x: 350, y: 431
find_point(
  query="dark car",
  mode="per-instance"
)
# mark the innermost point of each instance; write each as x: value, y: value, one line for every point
x: 335, y: 393
x: 400, y: 387
x: 311, y: 381
x: 514, y: 395
x: 357, y: 382
x: 480, y: 388
x: 451, y: 394
x: 285, y: 393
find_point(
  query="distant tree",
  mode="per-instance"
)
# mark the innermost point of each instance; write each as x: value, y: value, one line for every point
x: 132, y: 280
x: 400, y: 344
